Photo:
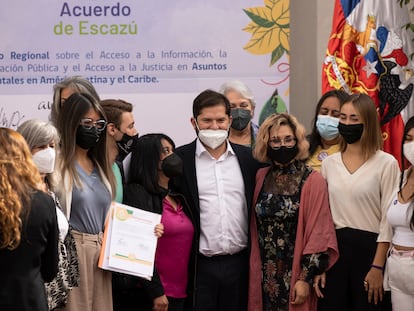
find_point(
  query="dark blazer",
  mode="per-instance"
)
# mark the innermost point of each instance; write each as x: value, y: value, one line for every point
x: 121, y: 169
x: 187, y: 185
x: 24, y: 270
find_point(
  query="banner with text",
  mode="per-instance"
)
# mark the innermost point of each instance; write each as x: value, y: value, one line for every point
x: 157, y: 55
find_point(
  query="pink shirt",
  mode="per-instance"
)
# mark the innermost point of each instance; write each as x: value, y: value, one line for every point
x: 173, y: 250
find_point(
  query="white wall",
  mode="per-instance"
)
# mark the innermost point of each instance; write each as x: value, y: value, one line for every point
x: 310, y: 30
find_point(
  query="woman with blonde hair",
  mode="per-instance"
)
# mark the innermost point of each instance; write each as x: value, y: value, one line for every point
x: 362, y: 180
x: 292, y: 233
x: 28, y: 229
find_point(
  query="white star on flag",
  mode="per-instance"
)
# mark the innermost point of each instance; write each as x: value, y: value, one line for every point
x: 370, y: 68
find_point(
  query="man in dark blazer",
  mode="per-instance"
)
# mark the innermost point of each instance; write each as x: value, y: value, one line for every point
x: 218, y: 182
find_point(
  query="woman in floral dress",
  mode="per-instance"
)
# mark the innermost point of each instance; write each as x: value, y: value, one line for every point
x: 292, y: 233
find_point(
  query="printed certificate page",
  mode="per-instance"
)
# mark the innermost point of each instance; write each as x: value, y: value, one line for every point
x: 130, y: 240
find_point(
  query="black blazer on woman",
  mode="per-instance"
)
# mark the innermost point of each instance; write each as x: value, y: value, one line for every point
x: 136, y: 195
x: 24, y: 270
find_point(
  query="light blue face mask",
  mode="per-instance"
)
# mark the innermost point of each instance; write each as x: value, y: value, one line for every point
x: 327, y: 126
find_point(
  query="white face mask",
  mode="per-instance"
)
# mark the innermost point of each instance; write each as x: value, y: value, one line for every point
x: 212, y: 138
x: 45, y: 160
x: 408, y: 150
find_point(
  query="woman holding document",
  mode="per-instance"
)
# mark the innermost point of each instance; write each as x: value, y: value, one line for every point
x: 153, y: 163
x: 85, y: 193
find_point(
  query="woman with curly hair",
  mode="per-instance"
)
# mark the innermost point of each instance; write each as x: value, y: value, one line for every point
x: 28, y: 229
x: 291, y: 230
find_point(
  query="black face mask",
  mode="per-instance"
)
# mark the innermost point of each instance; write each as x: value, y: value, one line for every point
x: 241, y: 118
x: 87, y: 138
x: 282, y: 155
x: 351, y: 132
x: 172, y: 166
x: 125, y: 145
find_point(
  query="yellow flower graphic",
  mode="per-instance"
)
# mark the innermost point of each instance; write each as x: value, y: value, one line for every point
x: 269, y: 28
x: 122, y: 213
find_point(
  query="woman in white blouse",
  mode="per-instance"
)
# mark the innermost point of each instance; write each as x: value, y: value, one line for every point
x: 400, y: 263
x: 361, y: 182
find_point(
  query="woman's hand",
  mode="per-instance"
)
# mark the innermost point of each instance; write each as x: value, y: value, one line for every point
x: 373, y: 285
x: 300, y: 292
x: 159, y: 230
x: 160, y: 303
x: 319, y: 282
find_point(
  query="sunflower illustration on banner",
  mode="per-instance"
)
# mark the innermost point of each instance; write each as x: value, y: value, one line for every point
x: 369, y: 52
x: 270, y: 29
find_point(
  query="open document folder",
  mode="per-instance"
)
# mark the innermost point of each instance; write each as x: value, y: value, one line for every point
x: 129, y: 242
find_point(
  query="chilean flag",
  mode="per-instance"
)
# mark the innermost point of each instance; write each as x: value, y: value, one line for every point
x: 369, y: 52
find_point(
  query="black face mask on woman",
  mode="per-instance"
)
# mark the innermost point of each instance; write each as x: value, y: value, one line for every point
x: 87, y: 138
x: 351, y: 133
x: 282, y: 154
x: 172, y: 166
x: 241, y: 118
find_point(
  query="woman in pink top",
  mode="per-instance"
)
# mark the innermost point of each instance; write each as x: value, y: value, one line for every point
x: 153, y: 163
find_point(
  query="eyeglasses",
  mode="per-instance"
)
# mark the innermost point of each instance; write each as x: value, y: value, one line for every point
x: 288, y: 142
x: 88, y: 123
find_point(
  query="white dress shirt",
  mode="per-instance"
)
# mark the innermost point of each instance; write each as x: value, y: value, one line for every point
x: 223, y: 209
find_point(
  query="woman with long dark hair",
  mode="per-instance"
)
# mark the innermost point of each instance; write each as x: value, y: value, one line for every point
x: 85, y: 191
x: 153, y: 163
x: 324, y: 138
